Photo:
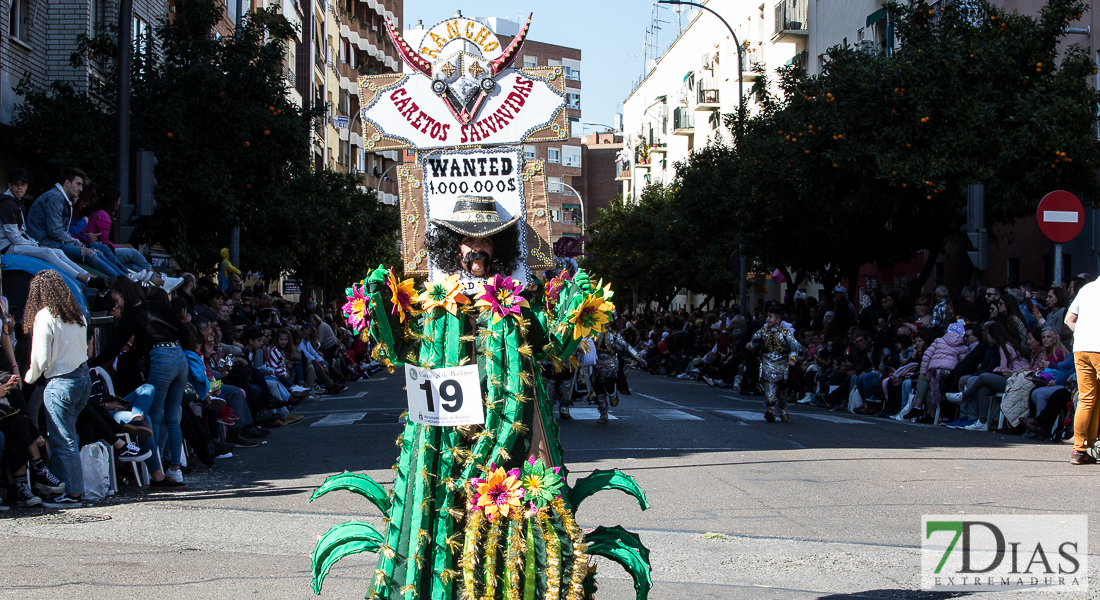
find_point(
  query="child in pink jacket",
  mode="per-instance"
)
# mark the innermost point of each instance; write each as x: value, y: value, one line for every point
x: 939, y: 359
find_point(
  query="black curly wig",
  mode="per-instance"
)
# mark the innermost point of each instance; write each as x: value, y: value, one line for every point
x: 443, y: 246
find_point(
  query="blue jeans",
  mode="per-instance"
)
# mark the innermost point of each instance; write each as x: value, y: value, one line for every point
x: 108, y: 255
x: 235, y: 398
x: 64, y: 397
x: 132, y: 258
x: 139, y: 400
x: 868, y: 385
x: 95, y: 261
x: 168, y: 376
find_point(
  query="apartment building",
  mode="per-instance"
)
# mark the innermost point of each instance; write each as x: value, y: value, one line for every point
x: 564, y: 159
x: 341, y: 40
x: 681, y: 101
x: 600, y: 155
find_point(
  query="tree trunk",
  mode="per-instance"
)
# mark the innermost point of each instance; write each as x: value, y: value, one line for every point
x: 917, y: 284
x: 853, y: 281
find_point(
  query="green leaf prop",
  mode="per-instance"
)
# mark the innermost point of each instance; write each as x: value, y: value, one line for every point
x: 359, y: 483
x: 342, y: 540
x: 626, y: 549
x: 606, y: 480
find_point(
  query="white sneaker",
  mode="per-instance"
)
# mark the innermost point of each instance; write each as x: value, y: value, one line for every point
x: 226, y: 455
x: 709, y: 381
x: 176, y: 476
x: 955, y: 397
x: 977, y: 426
x: 171, y: 283
x: 808, y: 398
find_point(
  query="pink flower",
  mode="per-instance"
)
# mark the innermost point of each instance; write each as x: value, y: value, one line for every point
x: 357, y: 309
x: 501, y: 297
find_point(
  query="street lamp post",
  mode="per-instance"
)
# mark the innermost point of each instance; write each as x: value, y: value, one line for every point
x: 581, y: 202
x: 744, y: 288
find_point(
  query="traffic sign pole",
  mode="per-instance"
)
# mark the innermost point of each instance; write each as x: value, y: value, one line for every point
x: 1057, y: 278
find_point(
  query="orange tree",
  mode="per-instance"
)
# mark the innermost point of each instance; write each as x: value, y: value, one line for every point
x: 868, y: 161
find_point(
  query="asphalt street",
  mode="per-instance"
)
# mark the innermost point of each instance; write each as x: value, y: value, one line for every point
x: 827, y: 506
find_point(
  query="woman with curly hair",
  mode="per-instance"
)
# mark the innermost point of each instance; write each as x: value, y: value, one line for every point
x: 59, y: 351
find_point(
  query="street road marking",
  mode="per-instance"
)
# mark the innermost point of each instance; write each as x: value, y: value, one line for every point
x: 339, y: 419
x: 744, y: 415
x: 1060, y: 216
x: 588, y: 414
x: 740, y: 399
x: 658, y: 399
x: 834, y: 419
x: 671, y: 414
x: 359, y: 395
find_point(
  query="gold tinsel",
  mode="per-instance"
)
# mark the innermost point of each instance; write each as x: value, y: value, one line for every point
x: 553, y: 557
x: 469, y: 554
x: 513, y: 562
x: 489, y: 567
x: 580, y: 558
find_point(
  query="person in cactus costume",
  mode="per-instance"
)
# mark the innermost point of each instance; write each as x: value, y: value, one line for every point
x: 482, y: 511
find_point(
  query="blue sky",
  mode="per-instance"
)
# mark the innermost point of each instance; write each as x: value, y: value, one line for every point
x: 608, y: 34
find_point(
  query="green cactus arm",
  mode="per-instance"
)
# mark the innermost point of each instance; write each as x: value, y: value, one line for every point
x: 606, y: 480
x: 359, y: 483
x: 626, y: 549
x: 342, y: 540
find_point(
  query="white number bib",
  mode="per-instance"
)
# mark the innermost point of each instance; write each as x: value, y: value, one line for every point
x: 449, y: 396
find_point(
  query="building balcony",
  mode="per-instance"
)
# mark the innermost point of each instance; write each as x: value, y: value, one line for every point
x: 682, y: 122
x: 753, y: 60
x: 655, y: 149
x: 790, y: 21
x: 642, y: 166
x: 707, y: 99
x: 621, y: 174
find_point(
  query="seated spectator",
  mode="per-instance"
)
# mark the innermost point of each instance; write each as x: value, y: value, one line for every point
x: 20, y: 449
x: 16, y: 241
x: 939, y: 359
x: 49, y: 218
x: 975, y: 398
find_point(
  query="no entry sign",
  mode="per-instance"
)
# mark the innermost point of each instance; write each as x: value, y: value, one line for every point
x: 1060, y: 216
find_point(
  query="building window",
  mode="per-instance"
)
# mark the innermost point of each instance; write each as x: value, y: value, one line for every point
x: 141, y: 36
x: 530, y: 152
x: 571, y: 156
x: 530, y: 62
x: 1012, y: 276
x: 573, y: 100
x: 576, y: 129
x: 571, y: 73
x: 553, y: 155
x: 345, y: 102
x: 99, y: 14
x: 554, y: 185
x: 342, y: 155
x: 17, y: 20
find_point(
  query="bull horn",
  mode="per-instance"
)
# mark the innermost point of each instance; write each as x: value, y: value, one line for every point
x: 512, y: 51
x: 410, y: 56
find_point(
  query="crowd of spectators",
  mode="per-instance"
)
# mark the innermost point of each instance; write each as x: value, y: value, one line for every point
x: 185, y: 372
x: 971, y: 358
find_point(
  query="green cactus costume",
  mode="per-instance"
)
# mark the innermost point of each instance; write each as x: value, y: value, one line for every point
x: 482, y: 512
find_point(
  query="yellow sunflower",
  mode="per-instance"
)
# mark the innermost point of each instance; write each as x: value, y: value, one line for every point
x: 591, y: 315
x: 402, y: 296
